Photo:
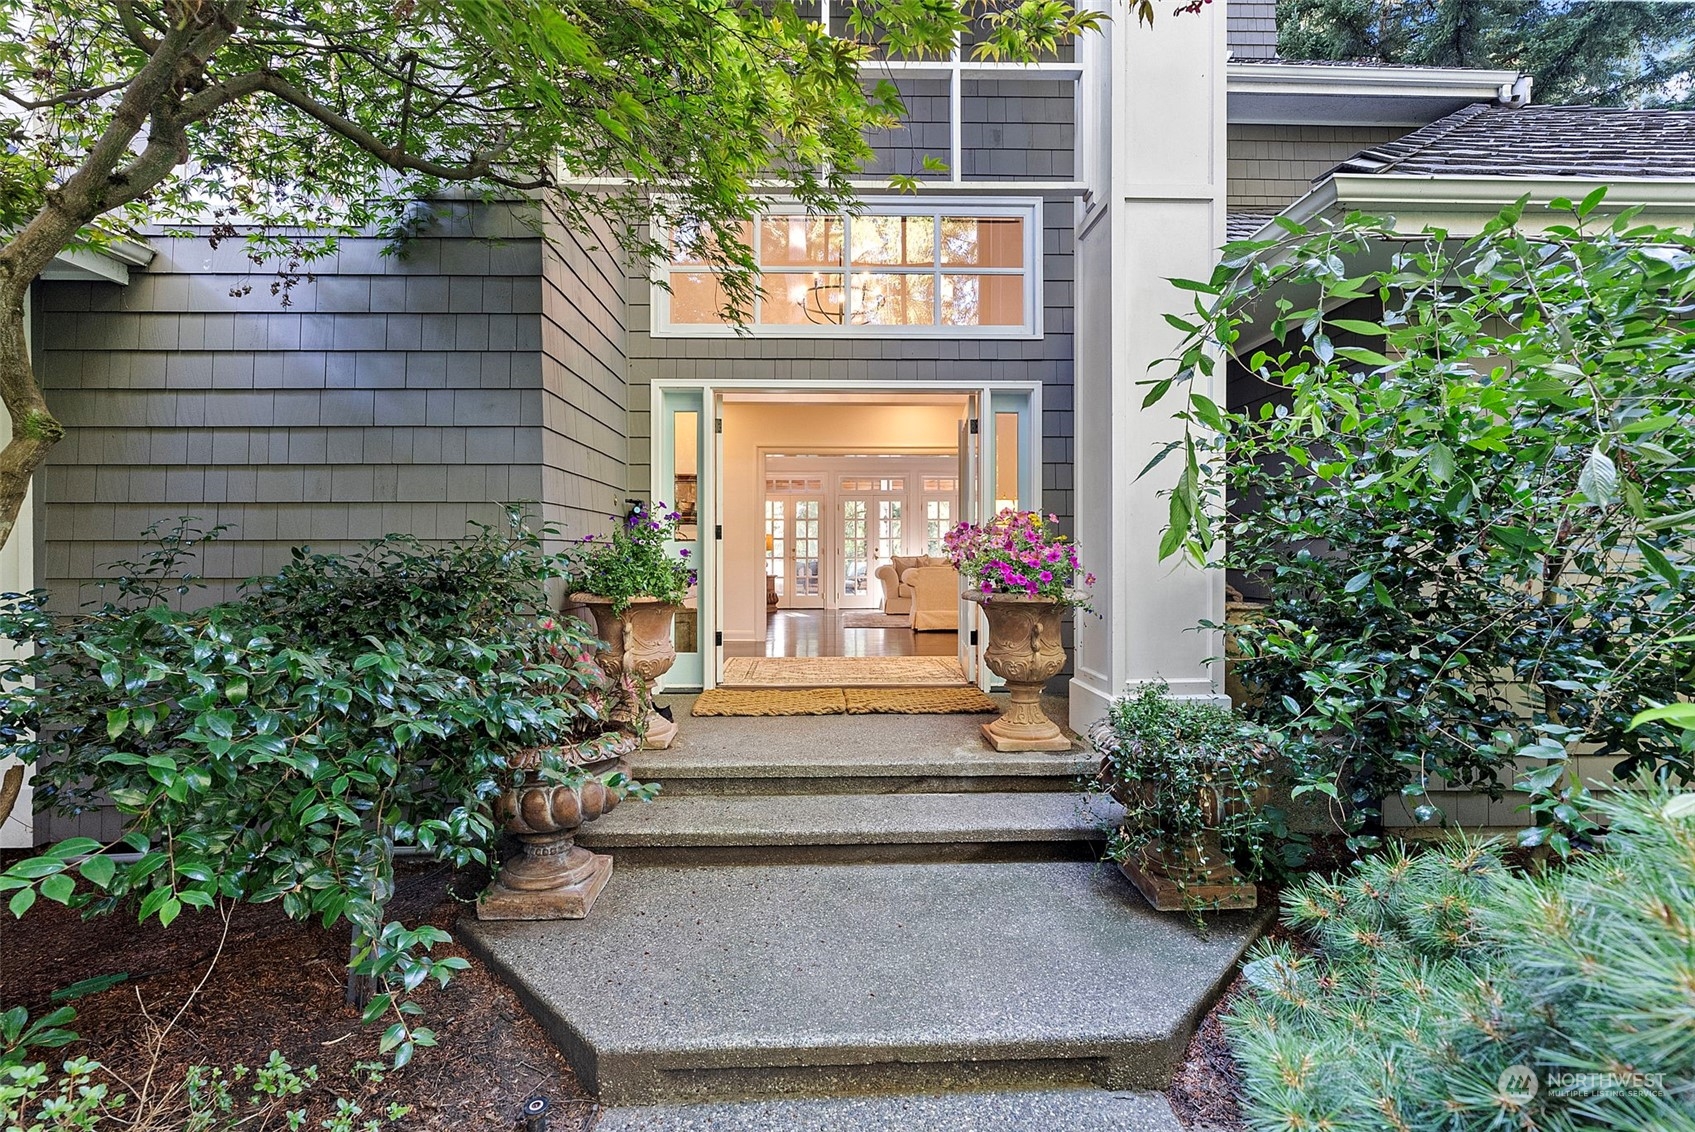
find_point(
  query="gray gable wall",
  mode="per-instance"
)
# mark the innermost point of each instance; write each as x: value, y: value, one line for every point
x: 393, y: 395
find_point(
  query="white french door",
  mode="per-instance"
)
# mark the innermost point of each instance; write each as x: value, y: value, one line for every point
x: 856, y: 561
x: 872, y: 530
x: 805, y: 565
x: 972, y: 641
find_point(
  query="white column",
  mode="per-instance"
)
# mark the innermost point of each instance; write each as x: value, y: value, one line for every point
x: 1164, y: 199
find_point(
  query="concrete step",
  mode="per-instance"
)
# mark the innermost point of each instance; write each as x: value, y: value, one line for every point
x: 688, y: 985
x: 787, y: 828
x: 1053, y: 1110
x: 875, y: 754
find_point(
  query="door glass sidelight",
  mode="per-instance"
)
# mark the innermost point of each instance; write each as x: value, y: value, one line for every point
x: 677, y: 445
x: 1008, y: 447
x: 777, y: 546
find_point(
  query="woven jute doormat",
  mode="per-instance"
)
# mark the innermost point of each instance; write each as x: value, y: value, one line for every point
x: 843, y: 672
x: 917, y: 701
x: 843, y: 701
x: 771, y: 701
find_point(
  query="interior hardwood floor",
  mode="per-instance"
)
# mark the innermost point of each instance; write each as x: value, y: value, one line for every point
x: 819, y: 632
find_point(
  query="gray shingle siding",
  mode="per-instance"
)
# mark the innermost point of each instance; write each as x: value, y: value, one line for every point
x: 585, y: 396
x: 1252, y: 29
x: 392, y: 395
x: 1272, y: 166
x: 340, y: 417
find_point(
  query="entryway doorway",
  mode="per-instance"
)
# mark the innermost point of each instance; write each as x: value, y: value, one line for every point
x: 817, y: 516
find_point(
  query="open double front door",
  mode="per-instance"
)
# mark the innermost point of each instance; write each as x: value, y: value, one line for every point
x: 999, y: 468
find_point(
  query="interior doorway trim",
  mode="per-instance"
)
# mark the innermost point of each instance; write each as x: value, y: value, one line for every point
x: 709, y: 456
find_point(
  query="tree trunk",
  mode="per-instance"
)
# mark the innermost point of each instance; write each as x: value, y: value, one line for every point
x: 34, y: 430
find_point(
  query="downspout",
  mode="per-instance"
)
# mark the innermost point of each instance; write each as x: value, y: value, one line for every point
x: 1516, y: 93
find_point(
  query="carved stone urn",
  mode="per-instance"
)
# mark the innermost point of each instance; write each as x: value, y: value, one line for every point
x: 1197, y: 874
x: 1026, y: 651
x: 554, y: 878
x: 639, y: 642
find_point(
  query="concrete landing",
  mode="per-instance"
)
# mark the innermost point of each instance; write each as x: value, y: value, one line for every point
x: 1057, y: 1110
x: 713, y: 984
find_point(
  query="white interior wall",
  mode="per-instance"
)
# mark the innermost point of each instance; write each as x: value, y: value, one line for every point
x: 754, y: 426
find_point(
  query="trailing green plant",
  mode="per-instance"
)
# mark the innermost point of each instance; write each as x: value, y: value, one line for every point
x: 279, y: 747
x: 1183, y: 770
x: 1462, y: 475
x: 1445, y: 992
x: 634, y: 560
x: 83, y: 1095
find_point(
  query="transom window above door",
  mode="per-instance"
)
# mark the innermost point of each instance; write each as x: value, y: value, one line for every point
x: 907, y: 270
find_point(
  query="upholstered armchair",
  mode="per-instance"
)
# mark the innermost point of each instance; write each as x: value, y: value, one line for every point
x: 897, y: 598
x: 935, y: 597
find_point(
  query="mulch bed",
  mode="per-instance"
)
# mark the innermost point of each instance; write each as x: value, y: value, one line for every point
x: 1204, y: 1091
x: 278, y: 985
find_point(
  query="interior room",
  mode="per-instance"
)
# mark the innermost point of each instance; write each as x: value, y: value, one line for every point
x: 834, y: 509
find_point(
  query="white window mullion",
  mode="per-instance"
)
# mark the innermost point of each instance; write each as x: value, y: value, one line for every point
x: 956, y: 116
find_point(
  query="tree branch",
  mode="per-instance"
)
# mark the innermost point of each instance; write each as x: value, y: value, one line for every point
x: 88, y: 94
x: 135, y: 28
x: 478, y: 166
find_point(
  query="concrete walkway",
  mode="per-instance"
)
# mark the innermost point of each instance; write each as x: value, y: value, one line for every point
x: 807, y: 919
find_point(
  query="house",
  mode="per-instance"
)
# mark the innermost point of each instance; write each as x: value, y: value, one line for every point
x: 936, y: 356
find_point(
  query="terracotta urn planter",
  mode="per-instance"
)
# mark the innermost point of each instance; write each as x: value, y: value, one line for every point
x: 639, y: 642
x: 554, y: 878
x: 1026, y: 651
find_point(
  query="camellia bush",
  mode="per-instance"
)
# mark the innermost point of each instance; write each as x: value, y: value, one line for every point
x: 1462, y: 475
x: 280, y: 746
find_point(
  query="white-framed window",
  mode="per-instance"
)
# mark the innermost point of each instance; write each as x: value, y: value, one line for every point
x: 908, y: 269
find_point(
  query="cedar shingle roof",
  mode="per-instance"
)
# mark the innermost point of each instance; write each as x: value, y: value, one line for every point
x: 1241, y: 225
x: 1541, y: 141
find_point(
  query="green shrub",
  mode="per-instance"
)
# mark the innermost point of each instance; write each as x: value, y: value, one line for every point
x: 1440, y: 978
x: 1465, y: 483
x: 278, y: 747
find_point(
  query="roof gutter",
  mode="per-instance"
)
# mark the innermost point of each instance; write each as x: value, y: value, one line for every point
x: 110, y: 263
x: 1319, y: 95
x: 1316, y: 78
x: 1462, y: 204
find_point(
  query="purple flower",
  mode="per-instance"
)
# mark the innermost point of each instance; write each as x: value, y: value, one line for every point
x: 684, y: 553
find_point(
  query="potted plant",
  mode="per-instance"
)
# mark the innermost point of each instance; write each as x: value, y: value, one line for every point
x: 1024, y: 575
x: 1191, y: 778
x: 632, y: 586
x: 551, y: 791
